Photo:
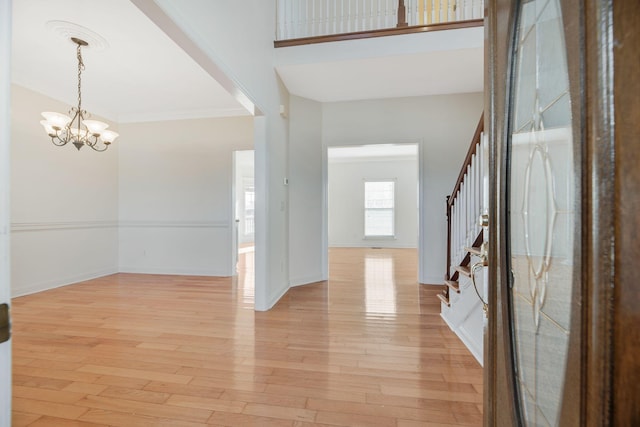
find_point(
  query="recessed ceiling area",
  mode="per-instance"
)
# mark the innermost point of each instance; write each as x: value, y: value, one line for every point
x: 430, y: 63
x: 142, y: 75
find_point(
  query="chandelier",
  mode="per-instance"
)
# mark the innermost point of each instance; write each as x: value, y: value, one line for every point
x: 77, y: 129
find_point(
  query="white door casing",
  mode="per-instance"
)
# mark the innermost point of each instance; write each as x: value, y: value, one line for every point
x: 5, y: 139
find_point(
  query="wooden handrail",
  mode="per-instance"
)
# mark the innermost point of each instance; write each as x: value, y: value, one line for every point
x: 475, y: 142
x: 451, y: 199
x: 380, y: 33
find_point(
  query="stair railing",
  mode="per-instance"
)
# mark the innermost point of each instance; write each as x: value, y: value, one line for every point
x: 311, y: 18
x: 465, y: 204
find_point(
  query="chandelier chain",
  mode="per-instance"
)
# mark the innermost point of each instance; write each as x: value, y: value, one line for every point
x: 80, y: 68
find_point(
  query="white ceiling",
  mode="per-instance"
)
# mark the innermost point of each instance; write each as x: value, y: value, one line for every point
x: 372, y: 152
x: 430, y: 63
x: 143, y: 75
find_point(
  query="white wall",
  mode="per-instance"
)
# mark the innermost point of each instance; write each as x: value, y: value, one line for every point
x: 346, y: 201
x: 64, y: 203
x: 175, y: 194
x: 442, y: 124
x: 249, y: 61
x: 305, y: 191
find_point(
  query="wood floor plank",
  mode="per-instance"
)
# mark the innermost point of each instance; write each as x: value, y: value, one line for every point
x: 245, y: 420
x: 144, y: 408
x: 61, y: 422
x: 21, y: 419
x: 57, y: 410
x: 122, y: 419
x: 365, y: 348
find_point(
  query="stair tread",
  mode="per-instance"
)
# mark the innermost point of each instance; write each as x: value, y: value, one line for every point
x: 474, y: 250
x: 453, y: 285
x: 463, y: 269
x: 444, y: 299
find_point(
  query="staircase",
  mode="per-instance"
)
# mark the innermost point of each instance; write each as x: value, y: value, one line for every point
x: 461, y: 306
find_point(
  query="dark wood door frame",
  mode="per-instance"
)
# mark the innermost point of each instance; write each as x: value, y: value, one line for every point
x: 604, y: 350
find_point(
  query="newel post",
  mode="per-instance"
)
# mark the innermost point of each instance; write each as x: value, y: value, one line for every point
x: 402, y: 14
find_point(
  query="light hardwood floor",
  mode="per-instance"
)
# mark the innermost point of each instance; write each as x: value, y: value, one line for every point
x: 367, y: 348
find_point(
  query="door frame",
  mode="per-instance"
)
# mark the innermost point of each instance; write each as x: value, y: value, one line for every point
x: 606, y: 110
x: 235, y: 216
x: 5, y: 224
x: 421, y: 274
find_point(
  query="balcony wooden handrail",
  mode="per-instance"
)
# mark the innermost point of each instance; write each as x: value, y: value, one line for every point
x: 413, y: 29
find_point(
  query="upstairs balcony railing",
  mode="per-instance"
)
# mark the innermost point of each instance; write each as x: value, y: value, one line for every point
x: 314, y: 18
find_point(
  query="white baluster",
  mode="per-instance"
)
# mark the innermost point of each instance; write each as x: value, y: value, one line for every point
x: 472, y: 209
x: 313, y: 18
x: 279, y: 29
x: 469, y: 204
x: 469, y: 181
x: 480, y: 178
x: 470, y: 198
x: 453, y: 235
x: 456, y: 242
x: 476, y: 194
x: 306, y: 19
x: 325, y: 18
x: 463, y: 218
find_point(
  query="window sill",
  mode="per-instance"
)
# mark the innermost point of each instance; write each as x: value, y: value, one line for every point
x: 379, y: 238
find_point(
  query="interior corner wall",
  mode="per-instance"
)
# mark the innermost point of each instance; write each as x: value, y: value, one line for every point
x: 305, y: 191
x: 238, y: 37
x: 175, y: 195
x: 64, y: 203
x: 346, y: 201
x: 442, y: 124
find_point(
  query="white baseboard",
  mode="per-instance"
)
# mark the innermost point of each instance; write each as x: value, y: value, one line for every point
x: 62, y: 281
x: 432, y: 280
x: 174, y: 271
x: 307, y: 280
x: 276, y: 297
x: 374, y: 244
x: 469, y: 343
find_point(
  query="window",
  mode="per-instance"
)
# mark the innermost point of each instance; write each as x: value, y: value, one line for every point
x: 249, y: 208
x: 379, y: 205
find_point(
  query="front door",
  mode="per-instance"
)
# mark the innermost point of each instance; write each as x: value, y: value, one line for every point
x: 555, y: 264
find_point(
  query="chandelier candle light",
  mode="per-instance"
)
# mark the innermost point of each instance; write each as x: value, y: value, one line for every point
x: 77, y: 129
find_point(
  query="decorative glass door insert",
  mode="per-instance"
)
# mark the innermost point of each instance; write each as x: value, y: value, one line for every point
x: 541, y: 199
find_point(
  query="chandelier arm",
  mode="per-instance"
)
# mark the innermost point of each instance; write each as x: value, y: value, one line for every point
x: 62, y: 142
x: 93, y: 146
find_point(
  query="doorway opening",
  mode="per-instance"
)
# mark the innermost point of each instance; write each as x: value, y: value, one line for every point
x: 373, y: 202
x: 243, y: 238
